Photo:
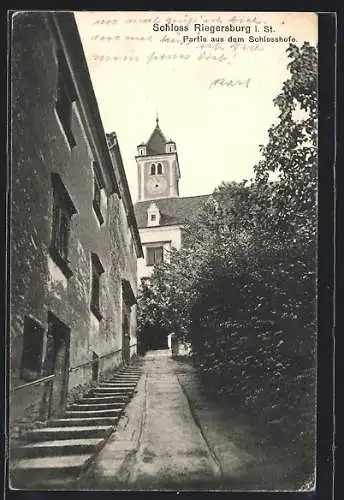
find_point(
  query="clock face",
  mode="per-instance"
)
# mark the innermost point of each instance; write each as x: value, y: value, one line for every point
x: 156, y: 185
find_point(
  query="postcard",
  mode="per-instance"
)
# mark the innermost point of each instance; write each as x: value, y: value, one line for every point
x: 163, y: 239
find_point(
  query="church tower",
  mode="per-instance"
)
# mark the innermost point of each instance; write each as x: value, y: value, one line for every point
x: 158, y: 167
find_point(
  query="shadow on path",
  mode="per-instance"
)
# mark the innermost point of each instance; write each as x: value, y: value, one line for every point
x: 172, y: 438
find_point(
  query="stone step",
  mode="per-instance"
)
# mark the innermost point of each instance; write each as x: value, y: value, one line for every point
x: 90, y: 399
x: 136, y: 373
x: 116, y: 385
x: 85, y: 422
x: 130, y: 368
x: 125, y: 396
x: 93, y: 413
x: 59, y: 447
x: 118, y: 388
x: 121, y: 380
x: 31, y: 471
x: 96, y: 406
x: 112, y: 390
x: 70, y: 432
x: 129, y: 372
x: 59, y: 453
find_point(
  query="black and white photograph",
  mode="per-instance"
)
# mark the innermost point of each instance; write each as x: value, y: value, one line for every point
x: 163, y: 251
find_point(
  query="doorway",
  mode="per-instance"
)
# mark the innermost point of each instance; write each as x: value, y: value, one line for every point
x: 126, y: 332
x: 57, y: 363
x: 128, y: 300
x: 95, y: 367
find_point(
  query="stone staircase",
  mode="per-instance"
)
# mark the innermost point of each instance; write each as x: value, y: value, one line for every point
x: 56, y: 455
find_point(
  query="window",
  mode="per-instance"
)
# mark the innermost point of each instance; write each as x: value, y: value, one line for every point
x: 97, y: 187
x: 159, y: 169
x: 153, y: 215
x: 31, y: 364
x: 154, y: 255
x: 97, y: 271
x: 153, y: 169
x: 65, y: 98
x: 63, y: 209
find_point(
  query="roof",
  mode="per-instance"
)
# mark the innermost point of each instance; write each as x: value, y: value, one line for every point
x: 173, y: 210
x: 156, y: 144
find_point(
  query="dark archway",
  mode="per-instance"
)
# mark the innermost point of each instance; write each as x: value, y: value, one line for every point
x: 154, y: 338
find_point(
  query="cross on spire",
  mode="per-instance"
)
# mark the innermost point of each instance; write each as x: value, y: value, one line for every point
x: 157, y: 119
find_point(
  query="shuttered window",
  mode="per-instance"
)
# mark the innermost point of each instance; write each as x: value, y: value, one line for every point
x: 97, y: 271
x: 65, y: 98
x: 63, y: 210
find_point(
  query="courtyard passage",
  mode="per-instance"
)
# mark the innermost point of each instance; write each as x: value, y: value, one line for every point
x: 171, y: 437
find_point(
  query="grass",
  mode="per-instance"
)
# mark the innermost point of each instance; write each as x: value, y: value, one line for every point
x: 264, y: 432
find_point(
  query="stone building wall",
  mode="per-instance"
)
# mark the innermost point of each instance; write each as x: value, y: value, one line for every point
x: 38, y: 286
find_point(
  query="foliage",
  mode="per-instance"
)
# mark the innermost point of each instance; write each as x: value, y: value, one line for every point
x: 243, y: 286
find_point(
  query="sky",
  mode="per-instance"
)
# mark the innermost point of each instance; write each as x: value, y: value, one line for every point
x: 214, y: 98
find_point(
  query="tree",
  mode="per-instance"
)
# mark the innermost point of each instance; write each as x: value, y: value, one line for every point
x: 291, y: 152
x: 243, y: 287
x: 210, y: 240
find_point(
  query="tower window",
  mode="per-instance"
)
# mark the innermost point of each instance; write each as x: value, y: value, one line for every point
x: 65, y: 98
x: 153, y: 217
x: 63, y: 209
x: 154, y: 255
x: 153, y: 171
x: 159, y: 169
x: 97, y: 271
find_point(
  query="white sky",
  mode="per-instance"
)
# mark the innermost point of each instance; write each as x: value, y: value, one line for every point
x: 217, y: 130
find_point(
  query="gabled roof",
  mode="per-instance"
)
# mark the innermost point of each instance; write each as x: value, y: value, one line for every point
x: 172, y: 210
x: 156, y: 144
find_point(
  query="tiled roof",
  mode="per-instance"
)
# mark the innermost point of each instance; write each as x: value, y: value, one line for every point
x: 157, y: 143
x: 172, y: 210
